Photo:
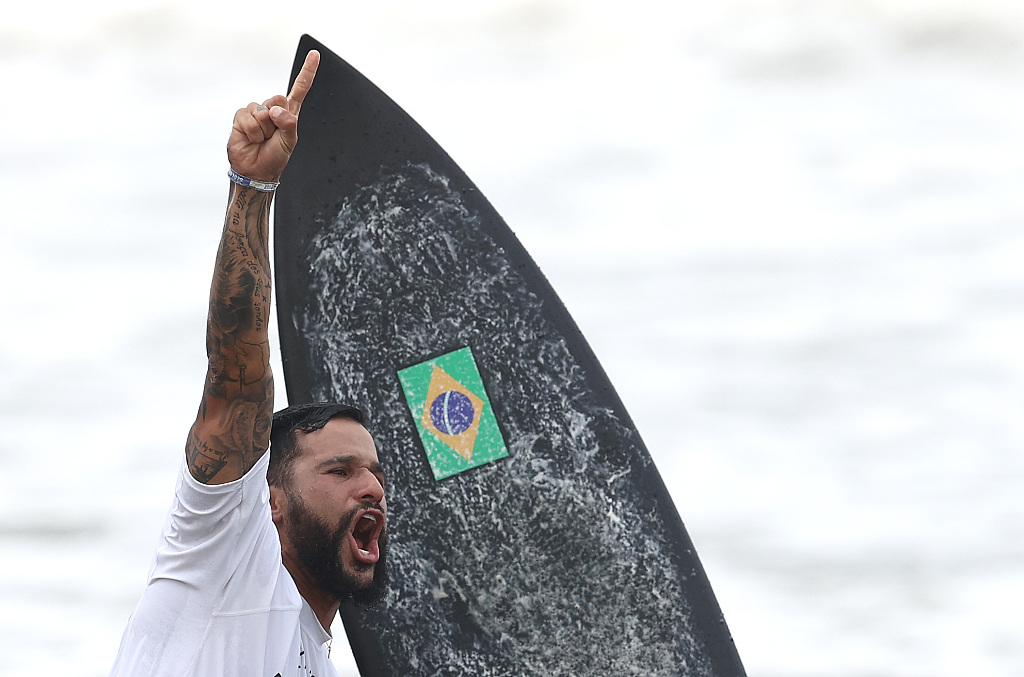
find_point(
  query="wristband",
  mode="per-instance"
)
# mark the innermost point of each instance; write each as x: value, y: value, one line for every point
x: 262, y: 186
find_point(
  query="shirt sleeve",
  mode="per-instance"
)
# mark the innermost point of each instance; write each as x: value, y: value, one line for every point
x: 215, y: 530
x: 219, y: 554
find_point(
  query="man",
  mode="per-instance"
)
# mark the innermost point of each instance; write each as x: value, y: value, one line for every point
x: 249, y: 575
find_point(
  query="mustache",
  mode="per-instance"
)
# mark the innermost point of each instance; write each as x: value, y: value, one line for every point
x: 365, y: 505
x: 349, y: 517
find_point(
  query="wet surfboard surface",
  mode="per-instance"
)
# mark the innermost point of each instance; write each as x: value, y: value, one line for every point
x: 531, y: 533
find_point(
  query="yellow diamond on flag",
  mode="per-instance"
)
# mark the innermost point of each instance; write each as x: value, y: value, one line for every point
x: 452, y: 412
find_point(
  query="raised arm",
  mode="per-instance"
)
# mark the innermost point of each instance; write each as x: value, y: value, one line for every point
x: 232, y: 429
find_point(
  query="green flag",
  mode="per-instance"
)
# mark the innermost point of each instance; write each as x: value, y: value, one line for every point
x: 453, y: 416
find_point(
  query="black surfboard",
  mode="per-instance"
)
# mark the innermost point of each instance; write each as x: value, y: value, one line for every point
x: 531, y: 533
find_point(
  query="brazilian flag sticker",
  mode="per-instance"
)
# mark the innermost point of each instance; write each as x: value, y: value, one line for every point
x: 452, y: 413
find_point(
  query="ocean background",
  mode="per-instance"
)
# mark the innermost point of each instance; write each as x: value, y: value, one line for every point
x: 793, y: 232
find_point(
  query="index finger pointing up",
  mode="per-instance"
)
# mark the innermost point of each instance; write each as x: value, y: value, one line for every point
x: 303, y: 81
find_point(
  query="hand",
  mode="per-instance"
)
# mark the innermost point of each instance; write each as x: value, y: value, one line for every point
x: 263, y: 136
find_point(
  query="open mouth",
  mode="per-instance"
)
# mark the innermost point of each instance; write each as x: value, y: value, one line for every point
x: 365, y: 533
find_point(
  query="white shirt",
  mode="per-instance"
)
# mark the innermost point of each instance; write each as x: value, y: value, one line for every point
x: 219, y: 602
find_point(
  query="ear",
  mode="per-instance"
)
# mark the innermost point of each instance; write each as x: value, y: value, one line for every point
x: 278, y: 504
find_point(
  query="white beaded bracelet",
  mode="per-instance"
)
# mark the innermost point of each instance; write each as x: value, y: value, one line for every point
x: 262, y: 186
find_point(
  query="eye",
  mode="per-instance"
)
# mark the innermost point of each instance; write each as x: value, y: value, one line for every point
x: 340, y: 471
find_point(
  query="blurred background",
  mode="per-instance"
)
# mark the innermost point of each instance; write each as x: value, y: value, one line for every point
x: 791, y: 230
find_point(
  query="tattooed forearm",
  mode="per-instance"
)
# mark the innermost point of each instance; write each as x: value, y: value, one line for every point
x: 240, y: 295
x: 232, y: 429
x: 239, y: 372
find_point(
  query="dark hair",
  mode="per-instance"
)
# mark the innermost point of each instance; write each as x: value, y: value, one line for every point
x: 304, y: 418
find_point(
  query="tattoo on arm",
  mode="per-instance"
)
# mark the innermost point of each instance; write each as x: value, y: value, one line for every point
x: 232, y: 430
x: 204, y: 462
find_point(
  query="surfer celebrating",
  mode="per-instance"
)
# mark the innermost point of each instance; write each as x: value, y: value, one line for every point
x: 259, y: 549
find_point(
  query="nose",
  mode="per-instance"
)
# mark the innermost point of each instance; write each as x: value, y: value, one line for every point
x: 371, y: 488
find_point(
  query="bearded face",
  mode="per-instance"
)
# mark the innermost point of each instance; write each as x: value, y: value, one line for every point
x: 320, y: 547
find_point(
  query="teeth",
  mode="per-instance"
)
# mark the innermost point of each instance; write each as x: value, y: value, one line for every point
x: 371, y: 518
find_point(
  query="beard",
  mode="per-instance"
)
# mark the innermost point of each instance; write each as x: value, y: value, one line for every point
x: 318, y: 546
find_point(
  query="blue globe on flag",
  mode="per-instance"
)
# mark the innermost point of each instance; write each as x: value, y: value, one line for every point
x: 451, y: 412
